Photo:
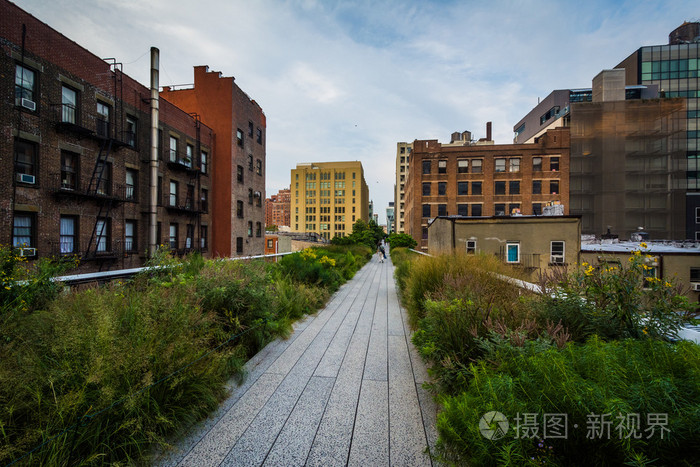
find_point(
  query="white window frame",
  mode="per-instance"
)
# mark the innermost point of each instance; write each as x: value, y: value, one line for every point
x: 471, y: 247
x: 517, y: 246
x: 557, y: 258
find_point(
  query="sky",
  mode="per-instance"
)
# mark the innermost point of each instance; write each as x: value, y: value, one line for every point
x: 347, y: 80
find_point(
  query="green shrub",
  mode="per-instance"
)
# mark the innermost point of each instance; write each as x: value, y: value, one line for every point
x: 622, y: 377
x: 401, y: 240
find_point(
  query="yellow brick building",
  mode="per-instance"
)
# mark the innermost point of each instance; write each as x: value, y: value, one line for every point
x: 328, y: 197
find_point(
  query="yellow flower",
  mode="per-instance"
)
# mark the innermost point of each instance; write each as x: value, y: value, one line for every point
x: 643, y: 245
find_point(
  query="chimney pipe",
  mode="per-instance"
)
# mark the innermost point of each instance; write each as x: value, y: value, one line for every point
x: 153, y: 207
x: 488, y: 131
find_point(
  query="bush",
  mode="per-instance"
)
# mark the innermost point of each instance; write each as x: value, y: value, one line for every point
x: 617, y: 378
x: 400, y: 240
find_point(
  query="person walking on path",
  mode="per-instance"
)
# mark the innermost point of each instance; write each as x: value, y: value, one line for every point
x: 381, y: 253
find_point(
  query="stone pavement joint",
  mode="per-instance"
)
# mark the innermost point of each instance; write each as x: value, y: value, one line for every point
x: 344, y: 389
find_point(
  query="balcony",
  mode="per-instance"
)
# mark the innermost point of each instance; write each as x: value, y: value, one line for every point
x: 177, y: 161
x: 525, y: 261
x: 189, y: 207
x: 104, y: 250
x: 71, y: 185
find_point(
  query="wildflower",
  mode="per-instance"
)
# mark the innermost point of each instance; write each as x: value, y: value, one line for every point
x: 643, y: 245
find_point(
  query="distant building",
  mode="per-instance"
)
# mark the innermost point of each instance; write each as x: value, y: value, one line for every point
x: 238, y: 171
x: 483, y: 179
x: 277, y: 209
x: 675, y: 69
x: 533, y: 243
x: 328, y: 197
x: 403, y: 157
x: 390, y: 219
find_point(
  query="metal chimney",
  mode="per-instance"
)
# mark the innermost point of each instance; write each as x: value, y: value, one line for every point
x: 488, y: 131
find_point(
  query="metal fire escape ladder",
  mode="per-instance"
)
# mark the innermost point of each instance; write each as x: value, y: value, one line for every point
x: 94, y: 189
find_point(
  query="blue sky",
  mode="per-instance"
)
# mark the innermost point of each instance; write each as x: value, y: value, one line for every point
x: 347, y: 80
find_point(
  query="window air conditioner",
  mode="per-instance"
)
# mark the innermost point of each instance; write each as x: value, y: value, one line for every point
x: 26, y: 178
x: 695, y: 286
x: 27, y: 104
x: 27, y: 251
x: 557, y: 259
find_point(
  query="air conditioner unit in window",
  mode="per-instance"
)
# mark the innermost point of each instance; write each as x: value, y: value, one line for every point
x: 27, y: 104
x: 26, y: 178
x: 27, y: 251
x: 695, y: 286
x: 557, y: 259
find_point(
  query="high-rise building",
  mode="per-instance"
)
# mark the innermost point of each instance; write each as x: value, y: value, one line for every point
x: 76, y: 148
x: 277, y: 209
x: 238, y: 171
x: 390, y: 220
x: 403, y: 157
x: 467, y: 178
x: 675, y: 69
x: 328, y: 197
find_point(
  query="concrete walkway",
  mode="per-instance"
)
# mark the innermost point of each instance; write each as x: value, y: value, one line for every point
x: 344, y: 389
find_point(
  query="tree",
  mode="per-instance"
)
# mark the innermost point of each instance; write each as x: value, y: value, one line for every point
x: 401, y: 240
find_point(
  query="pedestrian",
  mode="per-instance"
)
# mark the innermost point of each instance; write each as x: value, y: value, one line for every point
x: 380, y: 253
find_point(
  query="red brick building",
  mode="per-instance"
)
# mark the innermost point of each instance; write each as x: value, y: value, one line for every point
x: 469, y: 179
x: 238, y: 171
x: 76, y: 148
x: 278, y: 208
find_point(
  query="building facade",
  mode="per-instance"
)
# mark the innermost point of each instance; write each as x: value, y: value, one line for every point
x: 77, y: 150
x: 484, y: 180
x: 277, y: 209
x: 328, y: 197
x: 238, y: 173
x: 390, y: 218
x: 675, y: 69
x: 403, y: 158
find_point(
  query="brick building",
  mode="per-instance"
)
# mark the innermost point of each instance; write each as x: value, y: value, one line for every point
x: 472, y: 179
x: 76, y: 149
x: 277, y: 208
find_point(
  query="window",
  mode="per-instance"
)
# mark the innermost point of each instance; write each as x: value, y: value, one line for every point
x: 131, y: 131
x: 512, y: 252
x: 160, y: 191
x: 250, y: 162
x: 172, y: 239
x: 536, y: 164
x: 239, y: 209
x: 258, y: 229
x: 442, y: 167
x: 694, y: 274
x: 189, y: 236
x: 697, y: 215
x: 173, y: 193
x: 476, y: 166
x: 442, y: 209
x: 204, y: 159
x: 250, y: 195
x: 173, y: 149
x: 554, y: 164
x: 426, y: 189
x: 131, y: 177
x: 499, y: 188
x: 205, y: 200
x: 500, y: 165
x: 514, y: 187
x: 476, y: 188
x: 556, y: 252
x: 514, y: 164
x: 23, y: 230
x: 499, y: 209
x: 513, y: 208
x: 67, y: 235
x: 536, y: 187
x: 69, y: 105
x: 471, y: 247
x: 251, y: 127
x: 476, y: 210
x: 25, y: 161
x: 130, y: 236
x: 239, y: 137
x: 554, y: 187
x: 25, y: 85
x: 426, y: 210
x: 462, y: 188
x: 250, y: 228
x: 537, y: 209
x: 104, y: 180
x: 462, y: 166
x: 239, y: 174
x: 203, y: 240
x: 69, y: 170
x: 442, y: 188
x: 189, y: 197
x: 259, y: 136
x: 424, y: 233
x: 258, y: 167
x: 103, y: 111
x: 463, y: 209
x: 102, y: 235
x: 258, y: 198
x: 189, y: 157
x: 426, y: 167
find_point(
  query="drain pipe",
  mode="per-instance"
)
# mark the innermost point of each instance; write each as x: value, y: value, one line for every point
x: 153, y: 207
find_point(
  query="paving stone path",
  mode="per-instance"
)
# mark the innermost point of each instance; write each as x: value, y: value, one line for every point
x: 344, y: 389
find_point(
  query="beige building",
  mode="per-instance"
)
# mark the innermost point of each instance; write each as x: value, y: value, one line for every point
x: 328, y: 197
x: 670, y: 260
x: 533, y: 243
x: 403, y: 156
